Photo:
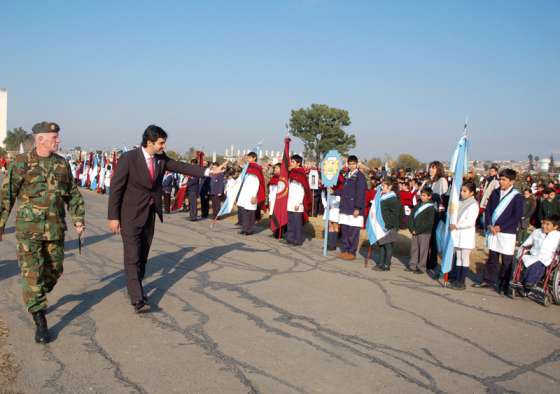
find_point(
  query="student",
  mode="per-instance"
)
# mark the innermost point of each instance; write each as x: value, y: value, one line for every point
x: 420, y: 224
x: 463, y: 233
x: 529, y: 208
x: 352, y: 203
x: 549, y: 204
x: 440, y: 186
x: 217, y: 189
x: 251, y: 195
x: 273, y: 187
x: 334, y: 211
x: 544, y: 242
x: 407, y: 201
x: 299, y: 201
x: 501, y: 220
x: 108, y: 176
x: 390, y: 208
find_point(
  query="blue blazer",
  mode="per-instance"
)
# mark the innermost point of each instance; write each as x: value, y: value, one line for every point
x: 353, y: 194
x: 510, y: 220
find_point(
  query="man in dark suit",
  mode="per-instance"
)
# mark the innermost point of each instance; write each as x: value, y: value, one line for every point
x: 136, y: 191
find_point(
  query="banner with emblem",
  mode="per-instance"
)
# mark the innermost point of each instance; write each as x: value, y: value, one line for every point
x: 330, y: 168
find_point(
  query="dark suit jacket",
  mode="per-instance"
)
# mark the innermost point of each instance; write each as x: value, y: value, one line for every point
x: 353, y: 194
x: 511, y: 218
x: 132, y: 191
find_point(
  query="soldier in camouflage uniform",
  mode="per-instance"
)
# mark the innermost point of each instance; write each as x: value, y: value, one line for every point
x: 43, y: 183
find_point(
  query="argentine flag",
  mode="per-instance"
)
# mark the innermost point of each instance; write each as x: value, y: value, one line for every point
x: 233, y: 193
x: 459, y: 166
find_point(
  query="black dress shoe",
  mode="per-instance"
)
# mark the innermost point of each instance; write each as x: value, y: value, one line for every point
x: 380, y: 268
x: 193, y: 219
x: 141, y: 307
x: 249, y: 232
x: 242, y: 232
x: 408, y: 269
x: 418, y: 271
x: 481, y: 285
x: 457, y: 286
x: 41, y: 330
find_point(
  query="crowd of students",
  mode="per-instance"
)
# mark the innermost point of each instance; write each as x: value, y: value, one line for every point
x: 363, y: 197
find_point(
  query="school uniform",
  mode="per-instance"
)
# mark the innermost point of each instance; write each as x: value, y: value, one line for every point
x: 383, y: 225
x: 246, y: 208
x: 421, y: 223
x: 540, y: 256
x: 299, y: 201
x: 217, y: 189
x: 253, y: 187
x: 464, y: 236
x: 352, y: 197
x: 504, y: 209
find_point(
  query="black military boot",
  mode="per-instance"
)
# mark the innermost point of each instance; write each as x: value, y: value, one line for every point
x: 41, y: 330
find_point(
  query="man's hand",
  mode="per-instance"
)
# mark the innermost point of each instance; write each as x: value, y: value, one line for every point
x: 497, y: 229
x: 356, y: 213
x: 115, y: 226
x: 80, y: 228
x: 253, y: 200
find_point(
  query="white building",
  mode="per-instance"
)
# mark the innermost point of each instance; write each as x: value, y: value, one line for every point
x: 3, y: 115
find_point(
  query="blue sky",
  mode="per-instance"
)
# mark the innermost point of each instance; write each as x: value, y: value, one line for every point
x: 216, y: 73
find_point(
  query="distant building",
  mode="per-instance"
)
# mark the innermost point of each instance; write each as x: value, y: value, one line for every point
x: 544, y: 165
x: 3, y: 115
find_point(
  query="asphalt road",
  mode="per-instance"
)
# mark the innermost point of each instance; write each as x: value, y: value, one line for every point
x: 234, y: 314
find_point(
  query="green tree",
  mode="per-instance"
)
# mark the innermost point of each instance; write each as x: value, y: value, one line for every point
x: 406, y: 160
x: 321, y: 128
x: 16, y: 137
x: 3, y: 152
x: 531, y: 165
x: 375, y: 163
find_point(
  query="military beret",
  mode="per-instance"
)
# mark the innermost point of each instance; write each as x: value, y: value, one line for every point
x: 45, y: 127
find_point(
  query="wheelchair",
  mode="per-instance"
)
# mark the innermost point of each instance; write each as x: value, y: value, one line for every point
x: 547, y: 290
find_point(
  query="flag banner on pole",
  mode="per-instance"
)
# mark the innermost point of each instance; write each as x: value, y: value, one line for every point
x: 279, y: 217
x: 444, y: 240
x: 93, y: 185
x: 375, y: 225
x: 233, y: 192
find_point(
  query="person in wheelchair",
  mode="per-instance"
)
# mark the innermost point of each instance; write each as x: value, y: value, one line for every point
x: 543, y: 242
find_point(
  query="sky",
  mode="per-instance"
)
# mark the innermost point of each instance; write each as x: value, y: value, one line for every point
x: 217, y: 73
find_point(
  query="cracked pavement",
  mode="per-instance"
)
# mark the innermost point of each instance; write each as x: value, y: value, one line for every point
x: 233, y: 314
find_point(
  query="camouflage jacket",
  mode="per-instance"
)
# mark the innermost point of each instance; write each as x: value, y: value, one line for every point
x: 43, y: 185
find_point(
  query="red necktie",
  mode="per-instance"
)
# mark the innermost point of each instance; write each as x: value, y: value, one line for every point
x: 151, y: 168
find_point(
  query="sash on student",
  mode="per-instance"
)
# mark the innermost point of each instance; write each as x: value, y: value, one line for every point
x: 503, y: 204
x: 375, y: 226
x: 423, y: 208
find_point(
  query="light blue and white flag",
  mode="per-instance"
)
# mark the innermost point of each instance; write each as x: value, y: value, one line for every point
x: 375, y: 225
x: 233, y: 192
x: 459, y: 166
x: 93, y: 184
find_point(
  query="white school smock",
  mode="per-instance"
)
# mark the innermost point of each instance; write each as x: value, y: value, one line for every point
x: 296, y: 192
x: 271, y: 197
x: 335, y: 206
x: 465, y: 235
x: 543, y: 247
x: 249, y: 190
x: 503, y: 243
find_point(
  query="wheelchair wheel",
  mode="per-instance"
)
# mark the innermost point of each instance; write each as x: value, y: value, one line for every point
x: 555, y: 286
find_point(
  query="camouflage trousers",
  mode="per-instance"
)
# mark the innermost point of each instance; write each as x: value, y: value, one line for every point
x: 41, y: 266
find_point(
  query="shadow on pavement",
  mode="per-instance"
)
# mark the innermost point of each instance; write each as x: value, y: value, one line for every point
x: 171, y: 266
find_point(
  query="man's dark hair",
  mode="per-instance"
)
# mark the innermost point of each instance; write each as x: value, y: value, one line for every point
x: 298, y: 159
x: 153, y: 133
x: 509, y: 174
x: 548, y: 190
x: 554, y: 219
x: 352, y: 159
x: 194, y: 161
x: 253, y: 155
x: 495, y: 167
x: 427, y: 190
x: 470, y: 186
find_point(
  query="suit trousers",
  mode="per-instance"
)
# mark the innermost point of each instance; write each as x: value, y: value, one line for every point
x: 137, y: 242
x: 419, y: 248
x: 246, y: 219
